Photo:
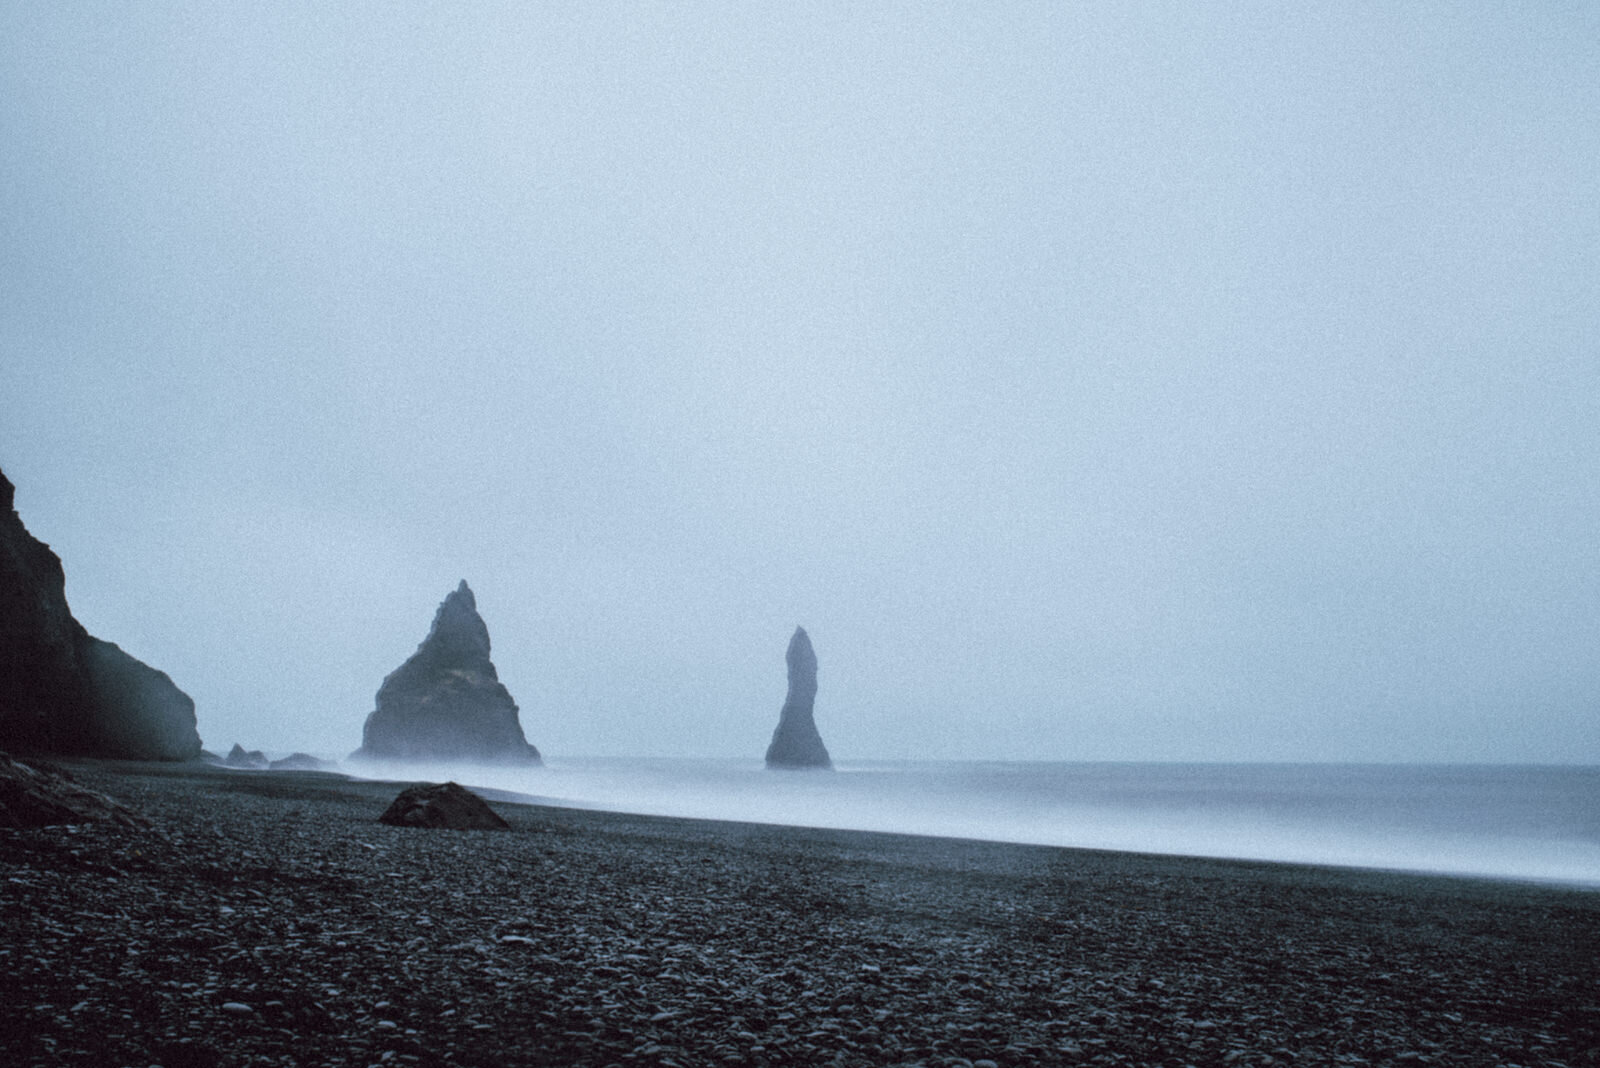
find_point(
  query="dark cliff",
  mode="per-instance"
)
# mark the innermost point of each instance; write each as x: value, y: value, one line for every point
x: 63, y: 691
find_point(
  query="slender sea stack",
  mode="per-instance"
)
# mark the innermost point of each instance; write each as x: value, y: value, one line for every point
x: 63, y: 691
x: 446, y: 703
x: 796, y: 743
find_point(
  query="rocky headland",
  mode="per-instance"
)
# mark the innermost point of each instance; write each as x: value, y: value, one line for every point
x: 446, y: 702
x: 64, y: 691
x: 795, y: 741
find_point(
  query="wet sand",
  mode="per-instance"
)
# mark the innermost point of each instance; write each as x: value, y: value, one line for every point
x: 268, y: 918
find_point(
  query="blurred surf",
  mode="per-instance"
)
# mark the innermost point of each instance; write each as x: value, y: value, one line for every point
x: 1519, y: 822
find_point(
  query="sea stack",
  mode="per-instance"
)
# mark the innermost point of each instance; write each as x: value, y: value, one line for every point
x: 446, y: 703
x: 796, y: 743
x: 63, y: 691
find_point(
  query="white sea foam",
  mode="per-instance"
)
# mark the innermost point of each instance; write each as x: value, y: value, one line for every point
x: 1529, y: 823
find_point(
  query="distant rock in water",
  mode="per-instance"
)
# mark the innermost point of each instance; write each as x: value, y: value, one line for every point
x: 446, y: 702
x: 445, y: 805
x: 240, y: 757
x: 42, y: 795
x: 796, y: 743
x: 63, y: 691
x: 301, y: 762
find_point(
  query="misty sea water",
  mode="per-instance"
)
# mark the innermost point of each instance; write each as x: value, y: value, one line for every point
x: 1533, y: 822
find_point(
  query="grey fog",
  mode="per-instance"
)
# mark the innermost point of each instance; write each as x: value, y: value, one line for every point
x: 1157, y: 382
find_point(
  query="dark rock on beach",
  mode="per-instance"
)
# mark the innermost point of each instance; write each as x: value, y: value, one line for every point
x: 795, y: 742
x: 447, y: 806
x: 269, y: 919
x: 63, y: 691
x: 36, y: 794
x: 446, y: 703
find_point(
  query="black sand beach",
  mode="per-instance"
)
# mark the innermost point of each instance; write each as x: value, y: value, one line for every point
x: 268, y: 918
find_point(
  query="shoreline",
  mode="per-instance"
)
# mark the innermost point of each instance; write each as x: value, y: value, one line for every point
x: 1506, y: 833
x: 270, y: 919
x: 498, y: 796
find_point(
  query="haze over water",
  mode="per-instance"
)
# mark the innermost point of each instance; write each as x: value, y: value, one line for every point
x: 1518, y: 822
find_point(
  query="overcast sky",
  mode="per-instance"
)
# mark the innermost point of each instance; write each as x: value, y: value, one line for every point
x: 1093, y: 381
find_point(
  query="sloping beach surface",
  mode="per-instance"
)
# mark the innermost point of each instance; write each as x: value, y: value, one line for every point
x: 268, y: 918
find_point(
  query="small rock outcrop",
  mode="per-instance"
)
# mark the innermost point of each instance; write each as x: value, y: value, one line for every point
x: 240, y: 757
x: 446, y: 703
x: 42, y: 795
x: 795, y: 742
x: 301, y: 762
x: 62, y: 691
x: 448, y: 805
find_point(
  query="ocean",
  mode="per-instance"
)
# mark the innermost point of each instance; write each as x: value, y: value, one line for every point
x: 1539, y: 823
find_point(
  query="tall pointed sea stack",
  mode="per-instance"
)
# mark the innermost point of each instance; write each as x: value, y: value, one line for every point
x: 446, y: 702
x: 63, y: 691
x: 796, y: 743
